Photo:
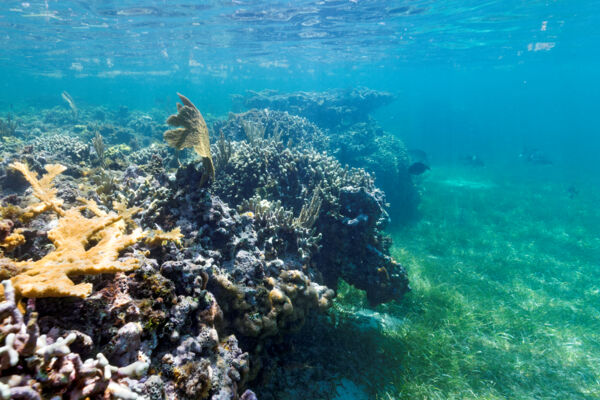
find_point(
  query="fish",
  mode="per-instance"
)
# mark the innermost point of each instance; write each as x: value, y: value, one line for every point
x: 572, y: 191
x: 417, y: 168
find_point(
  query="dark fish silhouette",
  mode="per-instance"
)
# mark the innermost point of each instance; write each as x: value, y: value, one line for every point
x: 572, y: 191
x: 417, y: 168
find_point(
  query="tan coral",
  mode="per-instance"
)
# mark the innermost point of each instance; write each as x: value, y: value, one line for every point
x: 193, y: 132
x: 288, y: 299
x: 8, y: 269
x: 12, y: 241
x: 83, y: 245
x: 42, y: 188
x: 49, y: 276
x: 158, y: 237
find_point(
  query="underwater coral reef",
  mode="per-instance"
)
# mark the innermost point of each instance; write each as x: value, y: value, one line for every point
x: 339, y: 122
x: 133, y: 268
x: 331, y: 109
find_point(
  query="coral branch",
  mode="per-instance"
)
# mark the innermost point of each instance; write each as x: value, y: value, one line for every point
x: 42, y: 188
x: 82, y: 245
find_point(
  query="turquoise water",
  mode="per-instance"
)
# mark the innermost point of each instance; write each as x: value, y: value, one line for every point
x: 490, y: 76
x: 502, y: 258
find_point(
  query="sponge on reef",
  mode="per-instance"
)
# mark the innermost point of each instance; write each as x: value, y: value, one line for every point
x: 83, y: 245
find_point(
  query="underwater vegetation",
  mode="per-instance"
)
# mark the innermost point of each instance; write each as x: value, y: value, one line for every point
x: 180, y: 271
x: 504, y: 301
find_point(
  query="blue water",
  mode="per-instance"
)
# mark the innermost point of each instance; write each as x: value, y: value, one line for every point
x: 488, y: 77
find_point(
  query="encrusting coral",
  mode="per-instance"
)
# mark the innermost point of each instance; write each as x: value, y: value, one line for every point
x: 193, y: 133
x: 83, y: 245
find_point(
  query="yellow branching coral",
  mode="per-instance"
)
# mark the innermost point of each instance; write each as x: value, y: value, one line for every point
x: 49, y: 276
x: 42, y: 189
x: 83, y: 245
x: 12, y: 241
x: 192, y: 133
x: 158, y: 237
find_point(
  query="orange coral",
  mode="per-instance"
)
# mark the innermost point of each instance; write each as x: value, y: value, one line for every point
x: 83, y: 245
x: 49, y: 276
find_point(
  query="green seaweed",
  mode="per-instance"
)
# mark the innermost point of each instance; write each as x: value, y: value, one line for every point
x: 506, y: 295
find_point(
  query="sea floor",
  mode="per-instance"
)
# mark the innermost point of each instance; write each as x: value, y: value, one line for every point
x: 505, y: 300
x: 506, y: 289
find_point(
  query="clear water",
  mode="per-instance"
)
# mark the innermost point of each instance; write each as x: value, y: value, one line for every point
x: 490, y: 75
x: 471, y: 77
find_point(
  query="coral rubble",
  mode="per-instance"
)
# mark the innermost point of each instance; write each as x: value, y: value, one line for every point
x: 35, y: 366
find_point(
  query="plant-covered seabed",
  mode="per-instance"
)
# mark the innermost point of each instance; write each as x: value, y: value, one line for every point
x: 505, y: 300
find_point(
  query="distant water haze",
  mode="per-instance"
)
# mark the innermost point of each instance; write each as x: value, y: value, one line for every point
x: 488, y: 79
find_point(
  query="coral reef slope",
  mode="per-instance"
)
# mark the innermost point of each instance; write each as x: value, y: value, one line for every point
x: 147, y: 282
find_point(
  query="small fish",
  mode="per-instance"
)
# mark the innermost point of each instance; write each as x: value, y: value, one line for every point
x: 417, y: 168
